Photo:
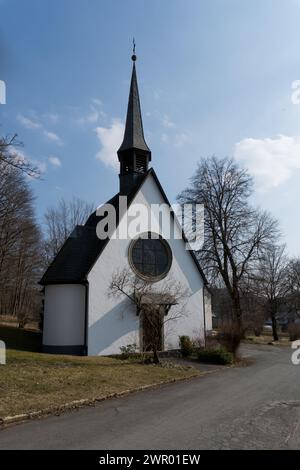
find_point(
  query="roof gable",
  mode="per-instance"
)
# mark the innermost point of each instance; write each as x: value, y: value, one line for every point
x: 82, y: 249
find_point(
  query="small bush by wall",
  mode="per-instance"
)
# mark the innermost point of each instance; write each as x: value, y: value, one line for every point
x: 215, y: 356
x: 128, y: 350
x: 186, y: 346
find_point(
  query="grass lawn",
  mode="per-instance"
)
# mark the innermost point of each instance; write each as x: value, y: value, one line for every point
x: 34, y: 381
x: 267, y: 337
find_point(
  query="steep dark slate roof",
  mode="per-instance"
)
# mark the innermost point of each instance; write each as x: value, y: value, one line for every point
x: 75, y: 256
x: 81, y: 250
x: 134, y: 133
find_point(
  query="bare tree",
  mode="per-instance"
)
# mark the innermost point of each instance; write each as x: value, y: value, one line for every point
x: 254, y: 311
x: 10, y: 157
x: 157, y: 306
x: 272, y: 282
x: 295, y: 273
x: 252, y: 304
x: 294, y: 279
x: 20, y: 246
x: 60, y: 221
x: 234, y: 232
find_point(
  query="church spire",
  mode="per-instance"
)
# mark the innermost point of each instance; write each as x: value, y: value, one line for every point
x: 134, y: 154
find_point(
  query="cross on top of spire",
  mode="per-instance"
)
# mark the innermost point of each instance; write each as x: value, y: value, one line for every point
x: 133, y: 57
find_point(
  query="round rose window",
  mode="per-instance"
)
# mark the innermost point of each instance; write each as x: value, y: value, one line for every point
x: 150, y: 256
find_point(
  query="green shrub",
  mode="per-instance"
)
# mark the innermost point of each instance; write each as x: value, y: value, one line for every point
x: 294, y: 331
x: 186, y: 346
x: 215, y: 356
x: 128, y: 350
x: 130, y: 353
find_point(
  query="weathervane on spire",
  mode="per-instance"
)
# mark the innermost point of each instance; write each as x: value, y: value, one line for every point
x: 133, y: 57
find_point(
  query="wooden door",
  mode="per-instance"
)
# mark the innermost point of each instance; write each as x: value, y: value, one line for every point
x: 152, y: 329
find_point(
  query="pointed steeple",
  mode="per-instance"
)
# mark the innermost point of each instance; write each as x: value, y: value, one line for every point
x: 134, y: 133
x: 134, y: 154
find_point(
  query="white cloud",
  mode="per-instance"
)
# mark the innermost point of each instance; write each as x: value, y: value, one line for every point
x: 42, y: 166
x: 52, y: 117
x: 52, y: 137
x: 164, y: 138
x: 90, y: 118
x: 97, y: 101
x: 18, y: 155
x: 21, y: 157
x: 157, y: 94
x: 167, y: 122
x: 110, y: 139
x: 94, y: 114
x: 271, y: 161
x: 34, y: 125
x: 28, y: 123
x: 55, y: 161
x: 181, y: 139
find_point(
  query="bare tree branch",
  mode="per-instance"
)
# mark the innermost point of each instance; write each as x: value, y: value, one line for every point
x: 9, y: 157
x: 235, y: 234
x: 157, y: 305
x: 60, y: 221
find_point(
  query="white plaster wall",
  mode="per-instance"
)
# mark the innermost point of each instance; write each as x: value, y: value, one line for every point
x: 113, y: 322
x: 64, y: 315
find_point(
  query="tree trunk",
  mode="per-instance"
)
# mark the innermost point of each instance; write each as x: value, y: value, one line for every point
x: 274, y: 327
x: 155, y: 356
x: 237, y: 310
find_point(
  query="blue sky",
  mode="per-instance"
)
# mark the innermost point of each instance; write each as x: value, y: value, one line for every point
x: 215, y: 77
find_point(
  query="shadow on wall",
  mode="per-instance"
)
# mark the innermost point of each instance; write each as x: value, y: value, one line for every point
x: 185, y: 260
x: 109, y: 330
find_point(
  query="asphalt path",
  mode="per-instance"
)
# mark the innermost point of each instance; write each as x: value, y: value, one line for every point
x: 252, y: 407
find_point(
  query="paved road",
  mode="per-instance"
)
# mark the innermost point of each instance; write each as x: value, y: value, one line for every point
x: 254, y: 407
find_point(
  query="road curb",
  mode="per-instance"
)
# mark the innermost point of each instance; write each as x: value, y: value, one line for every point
x: 76, y: 404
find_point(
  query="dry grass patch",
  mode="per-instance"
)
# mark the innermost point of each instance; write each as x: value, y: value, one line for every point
x: 267, y: 338
x: 34, y: 381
